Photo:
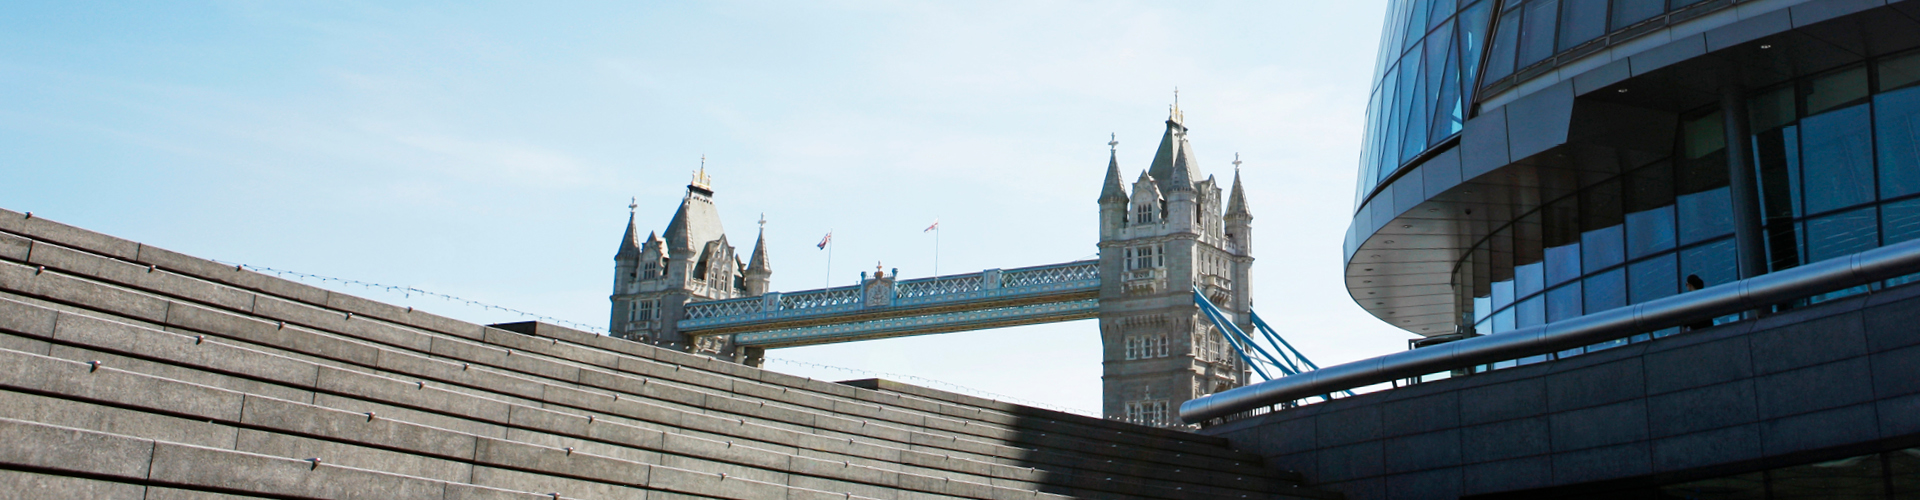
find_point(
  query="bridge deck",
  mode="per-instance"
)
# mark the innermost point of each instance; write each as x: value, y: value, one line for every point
x: 879, y: 308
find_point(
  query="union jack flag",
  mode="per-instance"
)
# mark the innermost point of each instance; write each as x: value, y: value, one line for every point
x: 825, y: 241
x: 936, y: 225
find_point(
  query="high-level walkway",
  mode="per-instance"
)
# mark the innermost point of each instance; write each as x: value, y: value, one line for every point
x: 129, y: 371
x: 881, y: 308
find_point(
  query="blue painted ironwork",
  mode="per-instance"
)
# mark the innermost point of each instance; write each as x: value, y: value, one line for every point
x: 924, y: 324
x: 1289, y: 362
x: 939, y: 301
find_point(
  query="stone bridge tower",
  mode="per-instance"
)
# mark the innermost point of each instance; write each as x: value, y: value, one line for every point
x: 654, y: 278
x: 1172, y: 233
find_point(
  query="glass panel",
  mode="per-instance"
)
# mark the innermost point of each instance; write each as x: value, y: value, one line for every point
x: 1606, y: 290
x: 1703, y: 135
x: 1582, y: 20
x: 1602, y: 248
x: 1627, y: 12
x: 1677, y: 4
x: 1777, y: 155
x: 1416, y: 23
x: 1784, y: 242
x: 1897, y: 132
x: 1904, y: 467
x: 1482, y: 306
x: 1503, y: 321
x: 1528, y: 279
x: 1505, y: 40
x: 1836, y: 90
x: 1418, y: 106
x: 1449, y: 112
x: 1649, y: 232
x: 1531, y: 312
x: 1837, y: 157
x: 1502, y: 293
x: 1900, y: 221
x: 1563, y: 302
x: 1704, y: 215
x: 1654, y: 278
x: 1563, y: 263
x: 1712, y: 262
x: 1899, y: 71
x: 1771, y: 109
x: 1473, y: 40
x: 1536, y: 34
x: 1842, y: 234
x: 1439, y: 12
x: 1391, y: 35
x: 1742, y: 487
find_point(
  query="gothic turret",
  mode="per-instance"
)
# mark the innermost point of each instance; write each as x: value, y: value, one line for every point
x: 759, y: 272
x: 1239, y: 219
x: 1113, y: 195
x: 654, y: 279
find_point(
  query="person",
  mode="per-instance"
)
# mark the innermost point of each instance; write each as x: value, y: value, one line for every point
x: 1694, y: 284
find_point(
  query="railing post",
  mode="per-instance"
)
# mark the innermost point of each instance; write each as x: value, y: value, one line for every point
x: 769, y: 302
x: 990, y: 279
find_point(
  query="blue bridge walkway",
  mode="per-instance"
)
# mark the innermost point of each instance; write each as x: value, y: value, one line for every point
x: 880, y: 307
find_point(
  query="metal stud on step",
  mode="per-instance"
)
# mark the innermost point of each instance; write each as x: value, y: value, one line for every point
x: 569, y: 451
x: 369, y: 416
x: 40, y: 269
x: 197, y: 339
x: 315, y: 461
x: 93, y: 366
x: 29, y: 215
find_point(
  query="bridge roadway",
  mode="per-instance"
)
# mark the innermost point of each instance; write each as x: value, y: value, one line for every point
x: 882, y: 307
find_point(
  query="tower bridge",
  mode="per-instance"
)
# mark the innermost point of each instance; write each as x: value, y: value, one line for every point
x: 1172, y: 232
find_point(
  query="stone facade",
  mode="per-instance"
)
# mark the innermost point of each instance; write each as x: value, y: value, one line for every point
x: 1173, y: 233
x: 656, y: 277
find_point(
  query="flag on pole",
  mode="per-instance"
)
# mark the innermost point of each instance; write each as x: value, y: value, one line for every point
x: 936, y: 225
x: 825, y: 241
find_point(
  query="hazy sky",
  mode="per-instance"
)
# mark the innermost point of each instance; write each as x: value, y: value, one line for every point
x: 489, y: 150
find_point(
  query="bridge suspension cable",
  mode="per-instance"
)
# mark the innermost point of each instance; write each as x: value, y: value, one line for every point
x: 1288, y: 361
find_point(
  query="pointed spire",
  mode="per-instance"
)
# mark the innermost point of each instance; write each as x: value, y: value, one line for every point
x: 629, y: 243
x: 758, y: 262
x: 1113, y: 190
x: 1184, y: 168
x: 1237, y: 201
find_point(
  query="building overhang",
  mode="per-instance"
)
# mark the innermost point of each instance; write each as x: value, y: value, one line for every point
x: 1586, y: 121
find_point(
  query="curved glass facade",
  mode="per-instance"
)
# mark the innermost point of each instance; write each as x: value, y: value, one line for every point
x: 1431, y: 53
x: 1837, y: 163
x: 1417, y: 100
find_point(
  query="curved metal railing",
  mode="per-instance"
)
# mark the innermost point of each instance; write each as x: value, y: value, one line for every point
x: 1882, y: 263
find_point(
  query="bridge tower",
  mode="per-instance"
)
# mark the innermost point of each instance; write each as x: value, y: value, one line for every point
x: 1169, y: 235
x: 655, y: 278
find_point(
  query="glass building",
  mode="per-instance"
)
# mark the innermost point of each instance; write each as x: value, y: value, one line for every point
x: 1530, y: 161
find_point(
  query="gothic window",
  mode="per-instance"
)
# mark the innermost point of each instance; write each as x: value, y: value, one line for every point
x: 1143, y: 347
x: 1133, y: 348
x: 652, y: 270
x: 643, y: 310
x: 1160, y: 348
x: 1145, y: 257
x: 1143, y: 213
x: 1145, y: 412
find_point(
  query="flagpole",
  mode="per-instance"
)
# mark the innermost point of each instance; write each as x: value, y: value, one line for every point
x: 936, y: 247
x: 829, y: 259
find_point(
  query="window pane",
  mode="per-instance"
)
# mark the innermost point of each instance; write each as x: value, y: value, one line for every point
x: 1448, y: 113
x: 1606, y: 290
x: 1899, y: 72
x: 1528, y: 279
x: 1419, y: 105
x: 1897, y: 133
x: 1602, y: 248
x: 1900, y: 221
x: 1836, y: 90
x: 1837, y: 158
x: 1473, y: 40
x: 1503, y: 321
x: 1783, y: 245
x: 1563, y: 263
x: 1654, y: 278
x: 1677, y: 4
x: 1530, y: 312
x: 1482, y: 306
x: 1536, y: 34
x: 1649, y: 232
x: 1703, y: 135
x: 1704, y: 215
x: 1777, y: 153
x: 1439, y: 11
x: 1841, y: 234
x: 1771, y: 109
x: 1627, y: 12
x: 1582, y: 20
x: 1712, y: 262
x: 1417, y: 23
x: 1505, y: 39
x: 1502, y: 293
x: 1563, y: 302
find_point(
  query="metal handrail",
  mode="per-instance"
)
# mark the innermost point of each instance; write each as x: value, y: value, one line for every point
x: 1862, y: 268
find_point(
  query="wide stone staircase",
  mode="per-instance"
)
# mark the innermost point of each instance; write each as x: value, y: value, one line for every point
x: 129, y: 371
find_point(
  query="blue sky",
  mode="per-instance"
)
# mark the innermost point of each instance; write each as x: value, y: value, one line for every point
x: 489, y: 150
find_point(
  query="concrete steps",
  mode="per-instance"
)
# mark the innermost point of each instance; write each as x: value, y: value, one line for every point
x: 543, y: 405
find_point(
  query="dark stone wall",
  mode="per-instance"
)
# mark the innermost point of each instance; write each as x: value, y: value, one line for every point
x: 1836, y: 378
